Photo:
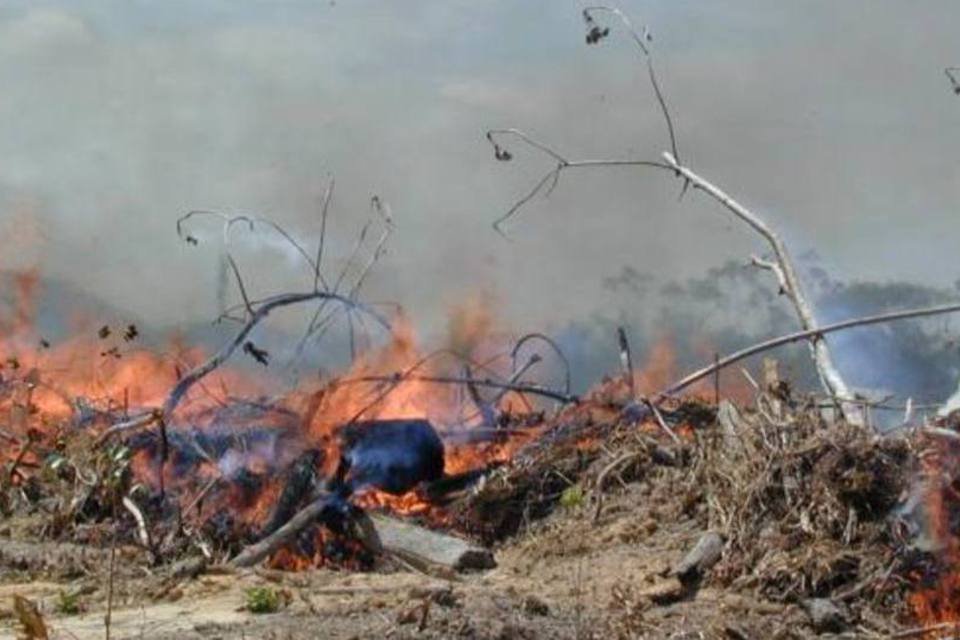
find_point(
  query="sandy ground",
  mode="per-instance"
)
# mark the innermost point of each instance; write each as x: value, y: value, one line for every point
x: 565, y: 577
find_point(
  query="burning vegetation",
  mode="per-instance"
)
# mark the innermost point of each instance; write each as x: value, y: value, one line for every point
x: 467, y: 489
x: 407, y: 456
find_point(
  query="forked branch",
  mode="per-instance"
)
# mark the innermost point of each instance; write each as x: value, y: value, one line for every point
x: 781, y: 266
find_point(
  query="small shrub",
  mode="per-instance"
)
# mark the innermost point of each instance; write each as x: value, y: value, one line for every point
x: 572, y: 497
x: 262, y: 600
x: 68, y: 603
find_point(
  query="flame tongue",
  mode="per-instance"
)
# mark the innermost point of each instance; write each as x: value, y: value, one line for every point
x: 238, y: 469
x: 936, y: 597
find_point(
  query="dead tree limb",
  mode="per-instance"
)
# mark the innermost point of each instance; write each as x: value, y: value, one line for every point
x: 766, y: 345
x: 790, y: 286
x: 259, y: 551
x: 380, y: 533
x: 552, y: 177
x: 782, y: 266
x: 425, y: 548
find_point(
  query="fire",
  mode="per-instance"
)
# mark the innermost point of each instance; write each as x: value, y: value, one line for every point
x: 935, y: 600
x: 225, y: 457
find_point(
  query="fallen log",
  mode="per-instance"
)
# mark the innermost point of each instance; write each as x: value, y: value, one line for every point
x: 301, y: 479
x: 421, y: 546
x: 259, y: 551
x: 706, y: 553
x: 418, y: 546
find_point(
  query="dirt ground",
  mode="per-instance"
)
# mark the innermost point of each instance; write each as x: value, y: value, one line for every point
x: 564, y: 577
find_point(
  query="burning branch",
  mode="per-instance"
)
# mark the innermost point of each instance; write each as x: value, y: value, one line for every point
x: 256, y: 310
x: 261, y: 312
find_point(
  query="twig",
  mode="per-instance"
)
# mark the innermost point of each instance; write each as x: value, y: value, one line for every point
x: 923, y: 631
x: 602, y: 476
x: 487, y: 413
x: 567, y: 383
x: 24, y: 449
x: 251, y: 221
x: 142, y: 530
x: 142, y: 420
x: 951, y: 75
x: 777, y: 271
x: 642, y: 44
x: 766, y: 345
x: 552, y: 176
x: 626, y: 362
x: 515, y: 377
x: 324, y: 210
x: 202, y: 493
x: 254, y: 553
x: 660, y: 421
x: 482, y: 382
x: 240, y: 285
x: 113, y: 563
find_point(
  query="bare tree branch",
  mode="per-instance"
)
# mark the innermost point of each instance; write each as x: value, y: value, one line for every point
x: 552, y: 176
x: 782, y: 266
x: 567, y: 384
x: 320, y: 323
x: 251, y: 221
x: 199, y: 372
x: 806, y: 334
x: 324, y: 210
x: 262, y: 311
x: 642, y: 43
x: 830, y: 376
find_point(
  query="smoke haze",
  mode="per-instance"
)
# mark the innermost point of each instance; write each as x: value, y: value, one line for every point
x: 833, y: 119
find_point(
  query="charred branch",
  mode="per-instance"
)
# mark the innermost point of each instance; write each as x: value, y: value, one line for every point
x: 532, y: 389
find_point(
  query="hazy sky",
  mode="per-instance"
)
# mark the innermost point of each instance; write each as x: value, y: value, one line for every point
x: 834, y: 119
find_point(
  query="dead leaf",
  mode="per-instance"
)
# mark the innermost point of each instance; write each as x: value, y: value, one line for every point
x: 29, y: 616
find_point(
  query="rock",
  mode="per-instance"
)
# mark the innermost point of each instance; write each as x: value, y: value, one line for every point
x: 825, y: 615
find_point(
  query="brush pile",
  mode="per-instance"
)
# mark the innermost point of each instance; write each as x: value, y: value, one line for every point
x: 718, y: 519
x: 819, y: 525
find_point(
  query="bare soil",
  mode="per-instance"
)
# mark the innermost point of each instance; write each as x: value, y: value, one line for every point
x: 564, y: 577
